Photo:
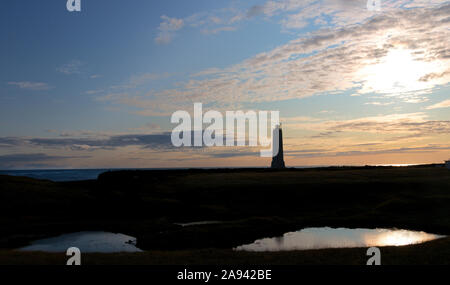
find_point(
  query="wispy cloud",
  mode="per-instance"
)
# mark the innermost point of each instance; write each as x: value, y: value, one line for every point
x: 72, y: 67
x: 143, y: 78
x: 379, y: 103
x: 167, y: 29
x: 218, y: 30
x: 27, y: 160
x: 129, y: 145
x: 297, y: 14
x: 30, y: 85
x: 416, y: 124
x: 443, y: 104
x: 294, y: 15
x: 361, y: 57
x: 402, y: 150
x: 207, y: 22
x: 91, y: 141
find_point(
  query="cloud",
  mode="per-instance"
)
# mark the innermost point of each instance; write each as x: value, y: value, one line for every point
x: 325, y: 153
x: 94, y: 141
x: 141, y: 79
x: 218, y: 30
x: 330, y: 60
x: 10, y: 141
x: 150, y: 136
x: 129, y: 148
x: 207, y: 22
x: 431, y: 76
x: 27, y: 160
x: 73, y: 67
x: 327, y: 134
x: 294, y: 15
x: 379, y: 103
x: 167, y: 28
x: 339, y: 12
x: 413, y: 124
x: 443, y: 104
x: 232, y: 153
x: 372, y: 135
x: 95, y: 91
x: 147, y: 128
x: 35, y: 86
x: 132, y: 82
x: 156, y: 141
x: 255, y: 10
x: 294, y: 22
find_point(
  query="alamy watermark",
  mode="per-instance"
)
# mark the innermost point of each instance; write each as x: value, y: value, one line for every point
x: 75, y: 256
x: 218, y: 134
x: 375, y: 254
x: 73, y: 5
x: 374, y: 5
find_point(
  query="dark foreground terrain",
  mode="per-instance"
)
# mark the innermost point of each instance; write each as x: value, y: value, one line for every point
x: 252, y: 203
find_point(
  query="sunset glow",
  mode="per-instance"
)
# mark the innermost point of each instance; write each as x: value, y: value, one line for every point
x: 399, y: 72
x: 399, y: 238
x: 353, y: 86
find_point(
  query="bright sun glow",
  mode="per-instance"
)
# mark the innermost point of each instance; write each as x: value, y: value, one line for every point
x: 402, y: 237
x: 398, y: 72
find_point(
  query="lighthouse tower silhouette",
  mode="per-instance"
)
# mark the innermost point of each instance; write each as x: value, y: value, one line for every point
x: 277, y: 140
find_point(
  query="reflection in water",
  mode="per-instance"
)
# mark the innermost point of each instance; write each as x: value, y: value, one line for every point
x: 316, y: 238
x: 86, y: 242
x: 201, y: 223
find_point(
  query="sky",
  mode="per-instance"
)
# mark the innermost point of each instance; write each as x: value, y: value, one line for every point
x: 353, y: 85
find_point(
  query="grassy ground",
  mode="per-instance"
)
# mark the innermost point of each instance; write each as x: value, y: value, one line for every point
x: 253, y: 203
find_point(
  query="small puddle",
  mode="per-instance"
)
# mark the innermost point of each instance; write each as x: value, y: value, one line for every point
x: 105, y: 242
x: 201, y: 223
x: 317, y: 238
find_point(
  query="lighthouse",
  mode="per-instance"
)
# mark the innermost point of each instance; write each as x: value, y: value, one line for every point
x: 277, y: 143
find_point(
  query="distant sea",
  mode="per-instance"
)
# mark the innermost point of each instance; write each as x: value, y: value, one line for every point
x: 57, y: 175
x: 60, y: 175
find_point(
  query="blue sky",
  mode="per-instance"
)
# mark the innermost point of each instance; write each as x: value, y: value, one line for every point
x: 353, y: 86
x: 108, y: 39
